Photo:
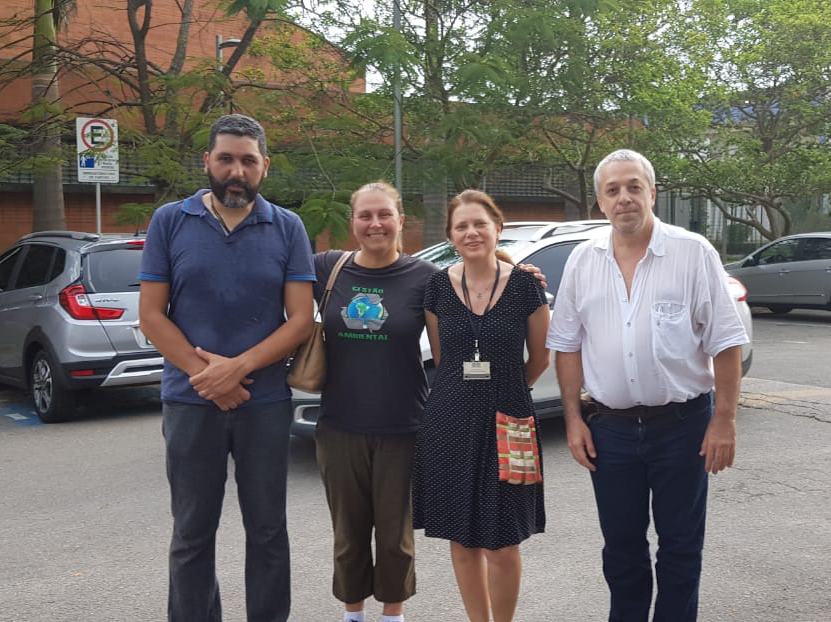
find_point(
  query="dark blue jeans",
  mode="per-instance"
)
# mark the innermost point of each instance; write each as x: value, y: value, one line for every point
x: 198, y: 440
x: 657, y: 456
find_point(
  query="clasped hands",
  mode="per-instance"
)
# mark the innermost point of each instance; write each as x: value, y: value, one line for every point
x: 222, y: 382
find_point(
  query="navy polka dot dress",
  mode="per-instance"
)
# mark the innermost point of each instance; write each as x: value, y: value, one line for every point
x: 457, y: 494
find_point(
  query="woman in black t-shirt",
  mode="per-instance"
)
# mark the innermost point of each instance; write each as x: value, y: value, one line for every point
x: 372, y: 404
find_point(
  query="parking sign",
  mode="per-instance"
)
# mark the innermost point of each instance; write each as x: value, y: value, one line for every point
x: 97, y: 145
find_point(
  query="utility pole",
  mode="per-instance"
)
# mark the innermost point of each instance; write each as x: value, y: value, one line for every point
x: 396, y: 95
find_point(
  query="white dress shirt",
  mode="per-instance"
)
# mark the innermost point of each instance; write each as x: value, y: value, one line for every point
x: 654, y: 346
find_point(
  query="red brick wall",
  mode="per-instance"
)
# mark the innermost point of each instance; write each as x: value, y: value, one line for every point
x: 16, y: 214
x: 107, y: 20
x: 528, y: 210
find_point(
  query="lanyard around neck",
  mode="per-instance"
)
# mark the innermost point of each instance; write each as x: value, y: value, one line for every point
x: 476, y: 325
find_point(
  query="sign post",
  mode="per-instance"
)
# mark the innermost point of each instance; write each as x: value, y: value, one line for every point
x: 97, y: 146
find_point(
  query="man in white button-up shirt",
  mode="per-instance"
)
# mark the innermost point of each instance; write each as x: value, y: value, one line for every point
x: 643, y: 321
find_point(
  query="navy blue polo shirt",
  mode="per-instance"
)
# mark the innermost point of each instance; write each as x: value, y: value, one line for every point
x: 226, y: 291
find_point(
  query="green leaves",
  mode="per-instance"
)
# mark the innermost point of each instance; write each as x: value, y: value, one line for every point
x: 136, y: 214
x: 373, y: 44
x: 753, y: 138
x: 331, y: 213
x: 256, y: 9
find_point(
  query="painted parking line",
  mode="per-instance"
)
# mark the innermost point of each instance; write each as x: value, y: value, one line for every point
x: 19, y: 414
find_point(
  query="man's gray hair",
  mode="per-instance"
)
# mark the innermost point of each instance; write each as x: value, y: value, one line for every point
x: 624, y: 155
x: 238, y: 125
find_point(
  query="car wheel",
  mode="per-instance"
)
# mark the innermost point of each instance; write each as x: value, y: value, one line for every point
x: 52, y: 401
x: 779, y: 310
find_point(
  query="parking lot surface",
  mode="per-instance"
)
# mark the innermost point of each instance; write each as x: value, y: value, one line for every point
x: 86, y: 522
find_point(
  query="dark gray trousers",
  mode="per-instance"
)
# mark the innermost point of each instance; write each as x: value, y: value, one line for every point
x: 198, y: 440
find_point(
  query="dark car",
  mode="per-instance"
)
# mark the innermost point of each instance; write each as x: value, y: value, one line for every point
x: 69, y: 318
x: 793, y: 272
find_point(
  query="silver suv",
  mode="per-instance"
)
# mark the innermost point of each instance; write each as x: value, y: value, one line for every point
x: 69, y: 318
x: 544, y: 244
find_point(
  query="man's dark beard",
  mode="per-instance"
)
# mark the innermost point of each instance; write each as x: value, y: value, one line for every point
x: 233, y: 199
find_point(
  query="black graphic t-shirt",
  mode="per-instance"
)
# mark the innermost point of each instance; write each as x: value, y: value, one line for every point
x: 374, y: 319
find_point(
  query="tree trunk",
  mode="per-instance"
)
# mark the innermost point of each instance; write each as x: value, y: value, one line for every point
x: 139, y: 32
x: 584, y: 208
x: 176, y: 66
x: 47, y: 180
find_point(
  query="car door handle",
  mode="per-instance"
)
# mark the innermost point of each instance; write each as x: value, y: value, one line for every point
x: 35, y: 297
x: 784, y: 272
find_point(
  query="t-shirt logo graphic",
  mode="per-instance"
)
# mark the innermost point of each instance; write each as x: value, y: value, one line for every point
x: 365, y: 312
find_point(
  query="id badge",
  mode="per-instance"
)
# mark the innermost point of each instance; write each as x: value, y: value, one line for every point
x: 476, y: 370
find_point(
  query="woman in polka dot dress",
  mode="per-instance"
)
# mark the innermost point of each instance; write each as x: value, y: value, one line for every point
x: 481, y: 310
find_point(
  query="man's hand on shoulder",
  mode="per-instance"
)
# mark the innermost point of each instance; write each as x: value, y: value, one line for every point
x: 535, y: 270
x: 222, y: 376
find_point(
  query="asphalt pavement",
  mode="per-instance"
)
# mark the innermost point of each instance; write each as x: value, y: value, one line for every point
x: 86, y: 524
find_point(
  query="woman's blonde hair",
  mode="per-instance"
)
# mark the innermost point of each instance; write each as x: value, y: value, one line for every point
x: 386, y: 189
x: 483, y: 199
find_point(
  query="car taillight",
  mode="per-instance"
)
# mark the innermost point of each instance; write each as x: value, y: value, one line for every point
x: 76, y: 302
x: 737, y: 289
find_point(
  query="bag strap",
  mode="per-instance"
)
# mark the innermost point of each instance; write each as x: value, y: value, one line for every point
x: 330, y: 284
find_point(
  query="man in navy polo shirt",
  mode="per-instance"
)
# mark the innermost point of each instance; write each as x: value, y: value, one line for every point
x: 226, y: 294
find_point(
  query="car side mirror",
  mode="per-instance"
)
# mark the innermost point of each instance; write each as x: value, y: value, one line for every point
x: 750, y: 261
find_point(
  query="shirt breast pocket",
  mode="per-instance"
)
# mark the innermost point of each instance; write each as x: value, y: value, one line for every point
x: 672, y: 332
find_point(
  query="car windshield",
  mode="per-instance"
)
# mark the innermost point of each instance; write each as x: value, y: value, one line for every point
x: 444, y: 254
x: 114, y: 270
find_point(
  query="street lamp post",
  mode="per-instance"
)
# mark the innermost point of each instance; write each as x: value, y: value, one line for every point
x: 221, y: 45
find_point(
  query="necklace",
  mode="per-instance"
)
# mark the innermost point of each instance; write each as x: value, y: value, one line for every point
x: 217, y: 215
x: 480, y: 294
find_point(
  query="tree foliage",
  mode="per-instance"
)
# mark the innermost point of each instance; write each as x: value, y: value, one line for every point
x: 584, y: 73
x: 489, y: 85
x: 729, y: 98
x: 755, y: 142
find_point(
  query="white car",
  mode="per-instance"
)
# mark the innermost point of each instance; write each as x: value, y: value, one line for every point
x: 544, y: 244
